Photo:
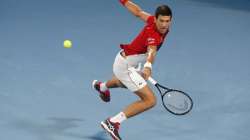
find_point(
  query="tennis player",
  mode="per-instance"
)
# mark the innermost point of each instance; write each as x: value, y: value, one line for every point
x: 127, y: 69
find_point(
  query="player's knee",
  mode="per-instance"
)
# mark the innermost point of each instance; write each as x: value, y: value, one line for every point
x: 151, y: 101
x: 147, y: 97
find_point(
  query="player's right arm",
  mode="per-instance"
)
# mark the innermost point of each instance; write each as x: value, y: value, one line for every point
x: 135, y: 10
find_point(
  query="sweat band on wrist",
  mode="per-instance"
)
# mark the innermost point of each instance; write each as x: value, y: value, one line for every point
x: 148, y: 65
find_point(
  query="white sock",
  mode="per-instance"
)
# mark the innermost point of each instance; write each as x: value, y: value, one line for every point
x: 120, y: 117
x: 103, y: 86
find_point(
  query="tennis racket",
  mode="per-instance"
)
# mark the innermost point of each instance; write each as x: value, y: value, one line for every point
x: 175, y: 101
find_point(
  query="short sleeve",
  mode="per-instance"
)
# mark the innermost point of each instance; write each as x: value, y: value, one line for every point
x: 150, y: 19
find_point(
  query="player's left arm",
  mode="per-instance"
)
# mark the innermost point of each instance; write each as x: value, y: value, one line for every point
x: 147, y: 71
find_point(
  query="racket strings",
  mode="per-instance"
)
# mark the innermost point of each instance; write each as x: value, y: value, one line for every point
x: 177, y: 102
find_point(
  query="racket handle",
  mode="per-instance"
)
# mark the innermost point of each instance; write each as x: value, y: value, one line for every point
x: 151, y: 80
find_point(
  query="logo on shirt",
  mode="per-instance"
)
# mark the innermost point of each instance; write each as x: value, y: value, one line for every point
x: 151, y: 40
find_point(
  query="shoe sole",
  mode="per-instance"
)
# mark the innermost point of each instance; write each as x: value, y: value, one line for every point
x: 105, y: 127
x: 93, y: 84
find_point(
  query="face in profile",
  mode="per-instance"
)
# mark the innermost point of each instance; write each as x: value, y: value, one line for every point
x: 163, y: 23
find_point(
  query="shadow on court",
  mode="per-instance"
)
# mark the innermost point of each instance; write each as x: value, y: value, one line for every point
x: 98, y: 136
x: 56, y: 127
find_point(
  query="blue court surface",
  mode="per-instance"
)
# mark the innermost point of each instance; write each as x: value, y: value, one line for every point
x: 45, y: 89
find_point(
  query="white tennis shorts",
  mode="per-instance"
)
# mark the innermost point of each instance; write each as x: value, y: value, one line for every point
x: 127, y: 70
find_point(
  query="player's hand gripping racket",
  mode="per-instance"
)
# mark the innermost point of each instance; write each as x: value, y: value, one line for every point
x: 175, y: 101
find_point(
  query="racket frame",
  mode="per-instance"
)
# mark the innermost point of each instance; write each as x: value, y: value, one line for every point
x: 160, y: 87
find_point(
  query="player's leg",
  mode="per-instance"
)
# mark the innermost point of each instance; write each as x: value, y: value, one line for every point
x: 134, y: 82
x: 119, y: 66
x: 147, y: 100
x: 103, y: 87
x: 114, y: 83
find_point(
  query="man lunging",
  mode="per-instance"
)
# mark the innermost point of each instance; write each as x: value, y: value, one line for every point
x: 126, y: 67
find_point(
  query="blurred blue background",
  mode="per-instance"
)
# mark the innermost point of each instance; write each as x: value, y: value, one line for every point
x: 45, y: 89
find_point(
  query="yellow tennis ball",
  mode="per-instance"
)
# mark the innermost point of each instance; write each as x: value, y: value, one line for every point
x: 67, y: 44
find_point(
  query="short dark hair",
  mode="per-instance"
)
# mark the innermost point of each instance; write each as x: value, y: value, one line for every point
x: 163, y: 10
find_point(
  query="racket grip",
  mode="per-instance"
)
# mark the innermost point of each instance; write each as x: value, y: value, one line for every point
x: 151, y: 80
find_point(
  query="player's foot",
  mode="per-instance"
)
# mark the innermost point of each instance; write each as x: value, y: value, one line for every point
x: 105, y: 96
x: 111, y: 128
